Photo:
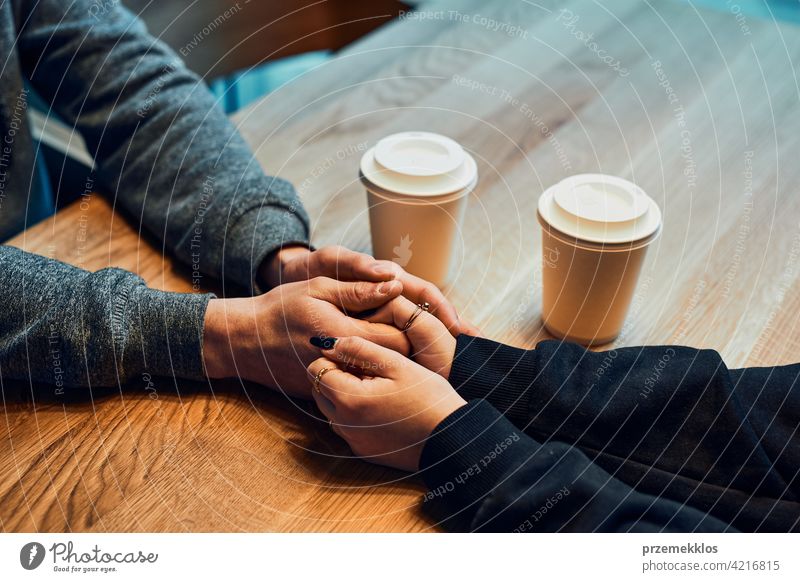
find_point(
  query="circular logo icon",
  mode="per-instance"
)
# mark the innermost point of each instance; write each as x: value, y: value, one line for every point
x: 31, y: 555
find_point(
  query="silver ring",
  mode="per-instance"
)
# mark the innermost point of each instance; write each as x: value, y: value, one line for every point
x: 424, y: 306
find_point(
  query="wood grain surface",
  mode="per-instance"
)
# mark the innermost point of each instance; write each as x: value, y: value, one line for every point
x: 694, y: 107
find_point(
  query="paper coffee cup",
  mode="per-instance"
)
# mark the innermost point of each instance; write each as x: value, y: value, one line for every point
x: 417, y: 190
x: 595, y: 233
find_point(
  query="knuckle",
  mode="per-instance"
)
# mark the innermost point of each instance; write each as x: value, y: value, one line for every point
x: 327, y: 252
x: 355, y: 405
x: 319, y: 282
x: 362, y: 291
x: 391, y: 266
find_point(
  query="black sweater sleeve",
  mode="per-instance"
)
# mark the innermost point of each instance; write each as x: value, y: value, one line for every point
x: 484, y: 474
x: 673, y: 422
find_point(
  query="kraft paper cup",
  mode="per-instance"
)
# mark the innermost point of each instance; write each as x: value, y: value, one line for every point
x: 595, y: 234
x: 417, y: 190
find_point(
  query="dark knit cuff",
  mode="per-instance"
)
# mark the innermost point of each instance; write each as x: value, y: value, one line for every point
x: 500, y: 374
x: 466, y: 457
x: 163, y: 333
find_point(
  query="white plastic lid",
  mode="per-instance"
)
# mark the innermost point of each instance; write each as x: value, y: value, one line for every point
x: 600, y: 208
x: 419, y: 163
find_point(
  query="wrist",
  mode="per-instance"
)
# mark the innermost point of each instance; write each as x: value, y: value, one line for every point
x: 272, y: 271
x: 217, y: 349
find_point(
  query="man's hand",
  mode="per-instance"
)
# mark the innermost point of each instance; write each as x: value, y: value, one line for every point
x: 265, y: 339
x: 293, y: 264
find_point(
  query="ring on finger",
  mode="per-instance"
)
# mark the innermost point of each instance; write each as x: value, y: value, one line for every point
x: 318, y: 378
x: 424, y: 306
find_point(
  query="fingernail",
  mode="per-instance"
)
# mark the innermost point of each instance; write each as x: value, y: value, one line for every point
x: 382, y: 270
x: 323, y: 343
x: 386, y: 288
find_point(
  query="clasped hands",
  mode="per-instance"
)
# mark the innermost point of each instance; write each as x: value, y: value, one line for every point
x: 385, y: 389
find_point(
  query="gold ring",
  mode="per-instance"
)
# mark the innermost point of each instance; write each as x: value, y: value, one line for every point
x: 318, y: 378
x: 424, y: 306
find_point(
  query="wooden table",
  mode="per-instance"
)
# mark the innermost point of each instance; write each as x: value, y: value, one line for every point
x: 700, y: 110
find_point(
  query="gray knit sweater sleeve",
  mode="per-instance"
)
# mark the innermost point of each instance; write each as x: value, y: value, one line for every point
x: 162, y: 146
x: 67, y: 327
x: 177, y: 166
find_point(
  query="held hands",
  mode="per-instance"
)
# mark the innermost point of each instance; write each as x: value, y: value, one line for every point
x: 384, y: 405
x: 432, y: 345
x: 299, y: 264
x: 264, y: 339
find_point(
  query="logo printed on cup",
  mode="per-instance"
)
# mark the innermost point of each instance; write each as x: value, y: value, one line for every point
x: 403, y: 252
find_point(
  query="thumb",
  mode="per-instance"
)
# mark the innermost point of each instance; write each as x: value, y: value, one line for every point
x: 354, y: 297
x: 360, y: 353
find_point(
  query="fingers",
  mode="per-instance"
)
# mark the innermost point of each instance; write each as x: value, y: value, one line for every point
x: 421, y: 291
x: 346, y: 265
x: 470, y: 329
x: 384, y: 335
x: 334, y: 381
x: 354, y: 297
x: 368, y: 356
x: 424, y: 330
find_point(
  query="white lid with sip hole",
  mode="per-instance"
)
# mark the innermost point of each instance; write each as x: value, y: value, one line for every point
x: 419, y: 164
x: 600, y: 209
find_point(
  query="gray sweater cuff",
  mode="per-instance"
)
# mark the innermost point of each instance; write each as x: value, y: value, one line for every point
x: 162, y: 332
x: 257, y: 233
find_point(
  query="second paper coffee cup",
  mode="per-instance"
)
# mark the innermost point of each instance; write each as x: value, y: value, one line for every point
x: 595, y: 233
x: 418, y: 185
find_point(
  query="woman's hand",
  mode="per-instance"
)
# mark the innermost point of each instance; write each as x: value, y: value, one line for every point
x: 387, y: 411
x: 432, y: 345
x: 294, y: 264
x: 265, y: 339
